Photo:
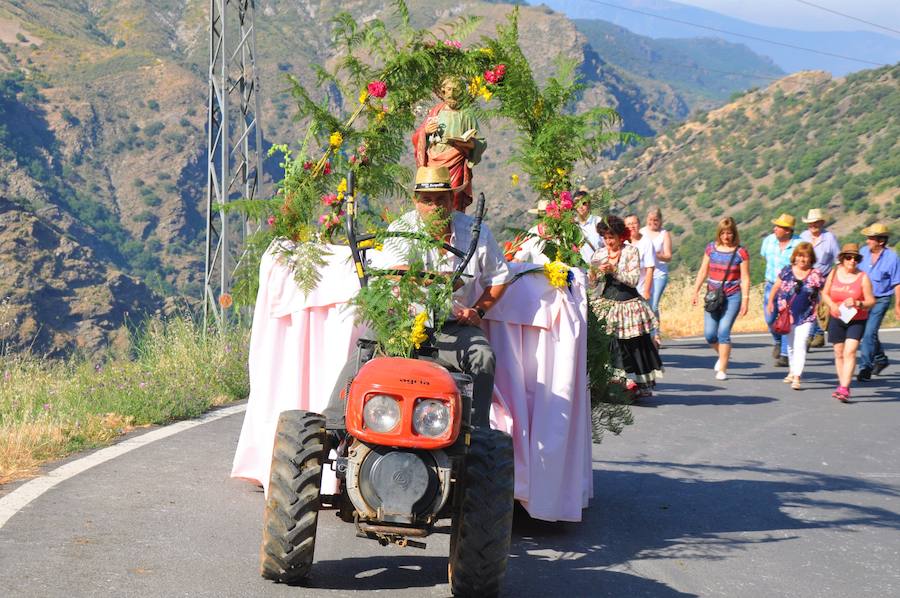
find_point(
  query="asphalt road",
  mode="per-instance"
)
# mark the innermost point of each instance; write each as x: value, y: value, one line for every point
x: 736, y: 488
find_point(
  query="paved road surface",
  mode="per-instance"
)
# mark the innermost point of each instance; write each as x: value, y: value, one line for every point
x: 737, y: 488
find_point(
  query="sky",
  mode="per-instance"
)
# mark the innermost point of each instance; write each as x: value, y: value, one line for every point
x: 792, y: 14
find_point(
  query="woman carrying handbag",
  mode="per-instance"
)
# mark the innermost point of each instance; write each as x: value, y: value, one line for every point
x: 796, y: 292
x: 726, y: 270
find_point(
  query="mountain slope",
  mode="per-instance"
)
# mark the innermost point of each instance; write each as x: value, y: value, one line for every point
x: 700, y: 69
x: 806, y: 141
x: 865, y: 45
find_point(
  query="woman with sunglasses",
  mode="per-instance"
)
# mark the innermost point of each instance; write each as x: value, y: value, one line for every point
x: 851, y: 288
x: 798, y: 287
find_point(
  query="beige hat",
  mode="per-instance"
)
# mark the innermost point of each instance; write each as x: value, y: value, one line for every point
x: 876, y: 230
x: 849, y: 249
x: 814, y: 215
x: 540, y: 209
x: 433, y: 179
x: 785, y: 221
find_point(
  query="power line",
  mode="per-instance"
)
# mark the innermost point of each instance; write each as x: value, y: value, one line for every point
x: 744, y: 35
x: 851, y: 17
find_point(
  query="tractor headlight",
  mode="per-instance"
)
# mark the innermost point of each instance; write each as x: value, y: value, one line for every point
x: 431, y: 417
x: 381, y: 413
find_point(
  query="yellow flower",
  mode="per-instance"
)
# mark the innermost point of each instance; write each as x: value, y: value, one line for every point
x: 515, y: 179
x: 488, y: 51
x: 418, y: 334
x: 336, y: 139
x: 363, y: 96
x: 557, y: 274
x: 486, y: 93
x: 379, y: 116
x: 547, y: 185
x: 560, y: 172
x: 342, y: 186
x: 475, y: 85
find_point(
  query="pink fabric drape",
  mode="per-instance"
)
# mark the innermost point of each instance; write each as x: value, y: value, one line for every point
x: 299, y: 344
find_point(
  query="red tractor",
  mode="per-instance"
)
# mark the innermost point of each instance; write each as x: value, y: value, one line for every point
x: 406, y: 456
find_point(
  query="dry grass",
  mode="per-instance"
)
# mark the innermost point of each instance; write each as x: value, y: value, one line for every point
x: 50, y: 409
x: 680, y: 318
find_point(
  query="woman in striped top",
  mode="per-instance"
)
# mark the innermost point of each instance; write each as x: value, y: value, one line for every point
x: 733, y: 280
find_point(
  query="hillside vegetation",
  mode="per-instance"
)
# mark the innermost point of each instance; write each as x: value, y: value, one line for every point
x: 806, y: 141
x: 102, y: 119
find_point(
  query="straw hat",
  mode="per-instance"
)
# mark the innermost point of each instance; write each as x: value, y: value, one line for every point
x: 434, y: 179
x: 814, y: 215
x: 849, y: 249
x: 540, y: 209
x: 877, y: 229
x: 785, y: 221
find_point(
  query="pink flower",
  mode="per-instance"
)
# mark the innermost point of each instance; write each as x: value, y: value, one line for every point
x: 377, y: 89
x: 271, y: 221
x: 323, y: 218
x: 352, y: 159
x: 500, y: 71
x: 565, y: 200
x: 452, y: 43
x: 491, y: 77
x: 329, y: 199
x: 552, y: 207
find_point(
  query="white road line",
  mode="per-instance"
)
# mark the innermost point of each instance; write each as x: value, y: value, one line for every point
x: 13, y: 502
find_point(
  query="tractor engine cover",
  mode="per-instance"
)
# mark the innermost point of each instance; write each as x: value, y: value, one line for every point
x: 397, y: 485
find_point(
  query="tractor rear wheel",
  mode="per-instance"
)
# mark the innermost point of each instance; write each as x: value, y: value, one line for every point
x: 292, y: 508
x: 482, y: 521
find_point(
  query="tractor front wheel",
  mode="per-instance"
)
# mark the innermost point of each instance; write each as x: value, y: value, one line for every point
x: 292, y: 508
x: 482, y: 520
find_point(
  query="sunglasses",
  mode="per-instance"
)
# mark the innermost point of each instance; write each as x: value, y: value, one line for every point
x: 855, y: 258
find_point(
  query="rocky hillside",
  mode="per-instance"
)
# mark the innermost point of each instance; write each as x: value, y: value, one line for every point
x: 805, y: 141
x: 102, y: 116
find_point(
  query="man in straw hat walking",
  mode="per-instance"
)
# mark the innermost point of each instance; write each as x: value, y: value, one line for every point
x: 883, y: 267
x: 826, y: 247
x: 776, y: 249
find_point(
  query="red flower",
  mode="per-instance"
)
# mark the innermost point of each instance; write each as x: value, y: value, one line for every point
x: 500, y: 71
x: 327, y: 169
x: 565, y: 200
x: 377, y: 89
x: 271, y: 220
x: 307, y: 165
x: 491, y: 77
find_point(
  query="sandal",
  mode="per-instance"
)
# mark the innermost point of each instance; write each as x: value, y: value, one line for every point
x: 796, y: 383
x: 842, y: 394
x: 788, y: 379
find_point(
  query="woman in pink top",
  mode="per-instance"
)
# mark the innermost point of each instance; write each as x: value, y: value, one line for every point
x: 848, y: 287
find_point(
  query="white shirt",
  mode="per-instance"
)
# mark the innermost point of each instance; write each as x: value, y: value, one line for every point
x: 662, y: 267
x: 593, y: 242
x: 487, y: 267
x: 648, y: 259
x: 532, y: 248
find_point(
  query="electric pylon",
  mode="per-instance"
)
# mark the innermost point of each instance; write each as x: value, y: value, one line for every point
x: 234, y: 142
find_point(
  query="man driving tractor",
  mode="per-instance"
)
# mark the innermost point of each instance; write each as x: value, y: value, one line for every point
x: 461, y: 343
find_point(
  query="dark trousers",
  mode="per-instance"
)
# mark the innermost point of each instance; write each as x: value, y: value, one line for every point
x: 457, y: 347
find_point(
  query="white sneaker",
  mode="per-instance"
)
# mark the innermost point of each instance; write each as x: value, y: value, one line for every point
x: 717, y: 366
x: 721, y: 376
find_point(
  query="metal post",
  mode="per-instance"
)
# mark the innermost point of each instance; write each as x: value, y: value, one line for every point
x: 234, y: 142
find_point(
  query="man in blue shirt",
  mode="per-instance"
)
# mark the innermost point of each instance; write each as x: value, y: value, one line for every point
x: 776, y: 250
x: 883, y: 267
x: 826, y: 247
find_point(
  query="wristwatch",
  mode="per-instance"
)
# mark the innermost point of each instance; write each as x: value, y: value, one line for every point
x: 480, y: 311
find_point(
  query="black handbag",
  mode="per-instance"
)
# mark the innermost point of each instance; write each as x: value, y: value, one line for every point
x: 714, y: 300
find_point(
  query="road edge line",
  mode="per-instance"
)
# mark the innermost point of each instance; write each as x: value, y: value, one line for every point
x: 19, y: 498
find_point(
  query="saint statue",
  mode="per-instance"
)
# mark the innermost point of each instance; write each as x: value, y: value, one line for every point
x: 449, y: 137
